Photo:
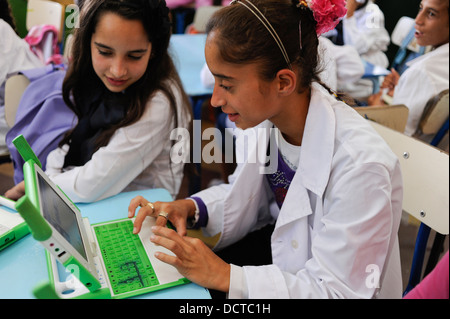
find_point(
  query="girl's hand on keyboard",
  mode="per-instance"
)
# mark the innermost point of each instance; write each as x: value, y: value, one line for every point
x: 193, y: 259
x: 177, y: 212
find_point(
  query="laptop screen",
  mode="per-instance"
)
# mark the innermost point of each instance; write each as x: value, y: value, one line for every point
x: 60, y: 215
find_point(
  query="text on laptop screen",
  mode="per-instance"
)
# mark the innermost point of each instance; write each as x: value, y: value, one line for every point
x: 60, y: 215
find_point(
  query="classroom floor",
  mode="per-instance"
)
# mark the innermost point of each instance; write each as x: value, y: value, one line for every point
x: 407, y: 232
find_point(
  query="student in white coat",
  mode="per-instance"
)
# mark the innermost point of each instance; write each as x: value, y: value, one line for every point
x: 363, y: 28
x: 127, y: 96
x: 427, y: 75
x: 332, y: 191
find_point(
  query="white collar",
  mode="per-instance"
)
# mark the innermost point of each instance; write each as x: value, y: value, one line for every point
x: 439, y: 50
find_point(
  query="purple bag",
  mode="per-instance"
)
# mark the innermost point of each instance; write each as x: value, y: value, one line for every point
x: 42, y: 116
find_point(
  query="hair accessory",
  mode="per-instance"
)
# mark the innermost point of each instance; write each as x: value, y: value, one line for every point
x: 302, y: 3
x: 327, y: 13
x: 257, y: 13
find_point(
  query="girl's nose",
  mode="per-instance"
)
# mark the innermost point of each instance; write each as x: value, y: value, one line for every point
x: 419, y: 18
x: 118, y: 68
x: 217, y: 99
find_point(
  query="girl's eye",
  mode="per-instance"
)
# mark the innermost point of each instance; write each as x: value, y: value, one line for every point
x: 133, y: 57
x: 226, y: 88
x: 104, y: 53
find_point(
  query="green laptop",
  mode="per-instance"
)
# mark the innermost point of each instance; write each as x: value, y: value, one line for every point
x: 105, y: 260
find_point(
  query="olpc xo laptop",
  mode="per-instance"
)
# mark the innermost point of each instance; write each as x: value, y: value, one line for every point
x: 106, y: 260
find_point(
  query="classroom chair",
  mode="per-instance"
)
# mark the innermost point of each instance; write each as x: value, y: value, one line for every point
x: 14, y: 88
x: 434, y: 122
x: 425, y: 171
x: 392, y: 116
x: 68, y: 48
x: 41, y: 12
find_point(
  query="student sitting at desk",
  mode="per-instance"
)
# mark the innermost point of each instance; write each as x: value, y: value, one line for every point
x: 124, y: 88
x: 363, y: 28
x: 323, y: 216
x: 427, y: 75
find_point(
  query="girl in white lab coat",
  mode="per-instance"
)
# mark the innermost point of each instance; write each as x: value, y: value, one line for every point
x: 329, y: 201
x: 363, y: 28
x: 127, y: 96
x: 426, y: 75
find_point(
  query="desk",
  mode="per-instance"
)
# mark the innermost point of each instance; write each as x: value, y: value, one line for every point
x: 188, y: 54
x: 23, y: 265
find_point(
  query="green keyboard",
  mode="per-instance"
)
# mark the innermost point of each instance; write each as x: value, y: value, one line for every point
x: 127, y: 264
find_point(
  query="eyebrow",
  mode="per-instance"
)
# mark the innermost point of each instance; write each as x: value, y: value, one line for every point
x: 223, y: 77
x: 103, y: 46
x: 433, y: 10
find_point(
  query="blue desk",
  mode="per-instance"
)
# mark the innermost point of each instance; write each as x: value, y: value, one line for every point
x: 188, y: 54
x: 23, y: 265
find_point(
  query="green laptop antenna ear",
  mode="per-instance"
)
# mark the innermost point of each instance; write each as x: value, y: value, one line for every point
x: 45, y: 290
x: 25, y: 150
x: 39, y: 228
x: 26, y: 205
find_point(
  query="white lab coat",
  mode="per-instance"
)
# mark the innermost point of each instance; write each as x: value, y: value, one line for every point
x: 340, y: 64
x: 136, y: 157
x: 425, y: 77
x: 338, y: 225
x: 366, y: 32
x: 15, y: 53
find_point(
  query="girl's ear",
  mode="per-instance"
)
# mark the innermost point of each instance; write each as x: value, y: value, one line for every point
x: 287, y: 82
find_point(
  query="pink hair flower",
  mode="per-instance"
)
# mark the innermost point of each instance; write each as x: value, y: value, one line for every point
x: 327, y: 13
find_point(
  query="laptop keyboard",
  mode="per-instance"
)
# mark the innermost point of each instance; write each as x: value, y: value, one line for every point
x: 127, y: 264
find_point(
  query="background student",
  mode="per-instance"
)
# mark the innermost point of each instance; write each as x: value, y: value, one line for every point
x: 427, y: 75
x: 15, y: 56
x: 321, y: 220
x: 363, y: 28
x: 125, y: 91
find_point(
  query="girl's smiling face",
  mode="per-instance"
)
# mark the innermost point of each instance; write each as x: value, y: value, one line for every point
x: 432, y: 23
x: 120, y: 51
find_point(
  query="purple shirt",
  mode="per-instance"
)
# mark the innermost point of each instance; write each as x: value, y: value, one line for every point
x: 279, y: 182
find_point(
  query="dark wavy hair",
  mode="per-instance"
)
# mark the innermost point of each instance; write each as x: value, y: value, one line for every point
x: 154, y: 16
